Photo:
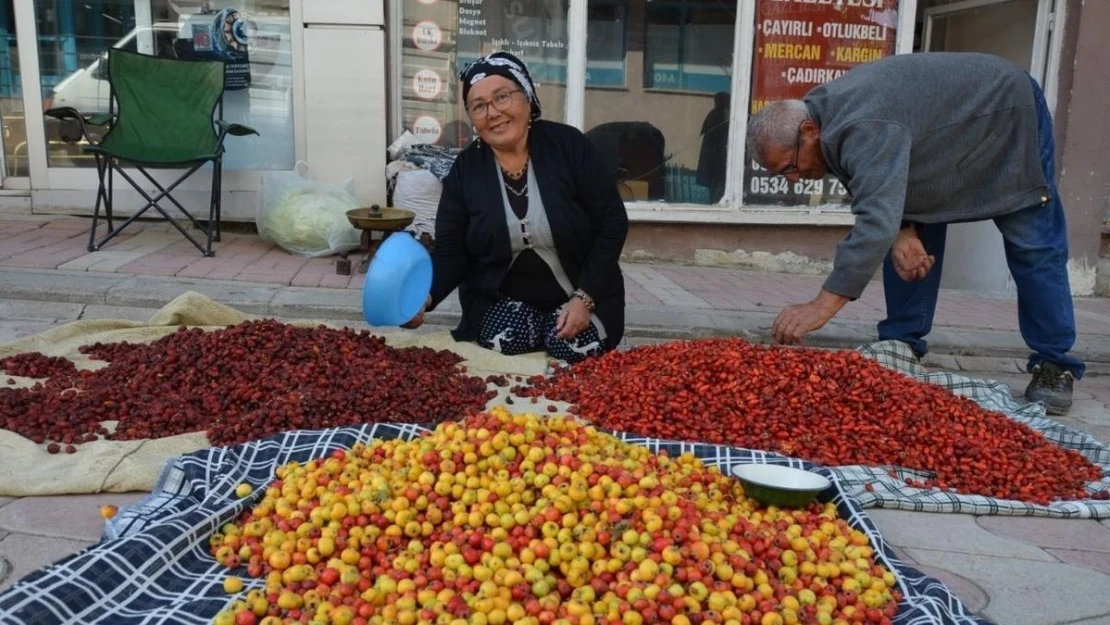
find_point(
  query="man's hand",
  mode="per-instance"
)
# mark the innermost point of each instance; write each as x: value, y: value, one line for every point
x: 573, y: 319
x: 418, y: 320
x: 911, y: 262
x: 796, y: 321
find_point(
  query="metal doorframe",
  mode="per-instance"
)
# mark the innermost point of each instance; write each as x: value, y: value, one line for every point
x: 1043, y: 65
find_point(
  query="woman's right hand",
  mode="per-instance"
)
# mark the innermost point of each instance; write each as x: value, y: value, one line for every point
x: 418, y: 320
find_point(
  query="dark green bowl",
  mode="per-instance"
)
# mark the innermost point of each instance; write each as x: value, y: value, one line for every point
x: 776, y: 485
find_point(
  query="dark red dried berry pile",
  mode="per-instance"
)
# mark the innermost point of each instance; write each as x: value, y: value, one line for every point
x: 36, y: 365
x: 835, y: 408
x: 243, y: 383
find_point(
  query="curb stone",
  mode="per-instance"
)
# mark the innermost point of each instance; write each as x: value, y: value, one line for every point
x: 948, y: 345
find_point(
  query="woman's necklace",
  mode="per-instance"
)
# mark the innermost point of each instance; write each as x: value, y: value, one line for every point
x: 521, y: 192
x: 520, y: 172
x: 516, y: 177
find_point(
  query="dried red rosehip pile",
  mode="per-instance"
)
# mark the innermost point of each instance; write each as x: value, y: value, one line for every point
x: 835, y: 408
x: 243, y: 383
x: 36, y: 365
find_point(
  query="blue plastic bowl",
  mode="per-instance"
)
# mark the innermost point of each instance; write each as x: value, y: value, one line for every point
x: 397, y: 282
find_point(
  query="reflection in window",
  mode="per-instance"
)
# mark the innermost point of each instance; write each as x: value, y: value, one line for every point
x: 666, y: 136
x: 12, y: 122
x: 252, y: 36
x: 439, y: 38
x: 605, y: 43
x: 691, y: 46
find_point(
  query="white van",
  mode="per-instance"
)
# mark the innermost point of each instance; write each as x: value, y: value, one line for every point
x: 87, y: 89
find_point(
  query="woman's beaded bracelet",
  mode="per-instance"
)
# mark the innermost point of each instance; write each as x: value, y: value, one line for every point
x: 586, y: 299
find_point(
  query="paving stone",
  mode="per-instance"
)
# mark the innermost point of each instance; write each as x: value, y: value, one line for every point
x: 26, y: 554
x: 129, y: 313
x: 11, y: 331
x: 55, y: 286
x: 309, y: 303
x: 155, y: 292
x: 1045, y: 594
x: 972, y: 596
x: 985, y: 363
x: 75, y: 517
x: 970, y: 342
x: 23, y: 309
x: 107, y: 261
x: 944, y: 362
x: 949, y: 532
x: 1090, y: 410
x: 1057, y: 533
x: 1094, y: 560
x: 1101, y: 620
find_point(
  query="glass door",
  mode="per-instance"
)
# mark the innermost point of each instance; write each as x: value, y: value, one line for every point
x: 253, y: 37
x: 14, y: 167
x: 1011, y: 29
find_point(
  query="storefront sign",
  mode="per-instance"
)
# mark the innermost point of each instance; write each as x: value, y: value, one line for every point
x: 427, y: 35
x: 427, y: 84
x: 534, y: 30
x: 427, y: 129
x: 800, y: 44
x: 448, y: 34
x: 224, y: 36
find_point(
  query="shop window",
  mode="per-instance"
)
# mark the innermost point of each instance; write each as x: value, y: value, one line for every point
x: 669, y: 144
x: 441, y: 36
x: 690, y: 46
x: 252, y: 36
x: 606, y: 39
x: 658, y: 84
x: 12, y: 118
x: 797, y: 47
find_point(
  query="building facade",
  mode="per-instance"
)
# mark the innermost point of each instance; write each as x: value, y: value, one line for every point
x: 663, y: 87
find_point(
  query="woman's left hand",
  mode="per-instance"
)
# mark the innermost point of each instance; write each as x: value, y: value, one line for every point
x: 574, y: 318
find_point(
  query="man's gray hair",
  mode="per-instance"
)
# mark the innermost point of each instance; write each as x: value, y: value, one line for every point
x: 775, y: 126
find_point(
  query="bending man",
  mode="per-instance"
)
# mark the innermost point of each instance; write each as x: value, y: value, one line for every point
x: 922, y: 141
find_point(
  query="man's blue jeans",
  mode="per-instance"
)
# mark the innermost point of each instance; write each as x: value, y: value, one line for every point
x: 1036, y: 245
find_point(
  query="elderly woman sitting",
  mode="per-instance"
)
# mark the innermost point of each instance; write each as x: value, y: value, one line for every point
x: 530, y: 227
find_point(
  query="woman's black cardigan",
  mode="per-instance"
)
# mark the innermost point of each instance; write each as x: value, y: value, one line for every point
x: 587, y: 216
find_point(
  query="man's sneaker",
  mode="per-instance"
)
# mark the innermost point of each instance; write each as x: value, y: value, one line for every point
x: 1051, y: 385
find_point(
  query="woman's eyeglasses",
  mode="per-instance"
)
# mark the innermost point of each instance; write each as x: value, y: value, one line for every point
x: 501, y: 100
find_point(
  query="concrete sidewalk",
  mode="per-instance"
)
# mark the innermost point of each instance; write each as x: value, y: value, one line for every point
x: 44, y: 259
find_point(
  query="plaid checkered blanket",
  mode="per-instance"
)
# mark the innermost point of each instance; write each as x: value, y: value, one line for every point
x: 889, y: 492
x: 153, y: 564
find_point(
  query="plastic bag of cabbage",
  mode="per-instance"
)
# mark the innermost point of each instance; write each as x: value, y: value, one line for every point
x: 304, y: 216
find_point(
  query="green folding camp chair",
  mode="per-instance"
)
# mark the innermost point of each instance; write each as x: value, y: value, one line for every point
x: 160, y: 116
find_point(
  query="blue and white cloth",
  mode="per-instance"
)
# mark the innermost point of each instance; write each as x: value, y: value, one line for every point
x: 153, y: 563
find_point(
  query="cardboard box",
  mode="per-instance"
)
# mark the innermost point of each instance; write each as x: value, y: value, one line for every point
x: 633, y: 190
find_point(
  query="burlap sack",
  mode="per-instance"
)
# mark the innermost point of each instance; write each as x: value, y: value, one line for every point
x: 27, y: 469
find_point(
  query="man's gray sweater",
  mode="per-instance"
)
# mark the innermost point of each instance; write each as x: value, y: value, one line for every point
x: 925, y: 138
